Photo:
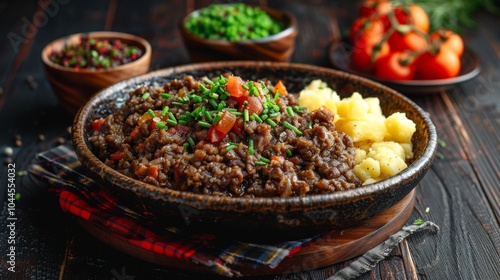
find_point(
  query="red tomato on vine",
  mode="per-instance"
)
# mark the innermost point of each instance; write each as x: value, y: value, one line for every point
x: 396, y: 66
x: 443, y: 64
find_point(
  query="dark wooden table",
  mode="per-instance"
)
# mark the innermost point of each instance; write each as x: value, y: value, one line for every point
x: 462, y: 189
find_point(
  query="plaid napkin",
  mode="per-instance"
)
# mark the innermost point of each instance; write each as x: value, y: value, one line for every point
x: 82, y: 197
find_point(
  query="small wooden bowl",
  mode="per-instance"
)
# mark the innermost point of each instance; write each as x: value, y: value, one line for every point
x: 263, y: 218
x: 277, y: 47
x: 75, y: 87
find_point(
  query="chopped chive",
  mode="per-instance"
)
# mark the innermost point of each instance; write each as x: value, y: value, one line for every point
x: 289, y: 110
x: 204, y: 124
x: 238, y: 114
x: 253, y: 91
x: 289, y: 153
x: 262, y: 85
x: 186, y: 145
x: 171, y: 116
x: 161, y: 125
x: 274, y: 115
x: 196, y: 98
x: 264, y: 117
x: 221, y: 106
x: 260, y: 163
x: 276, y: 96
x: 263, y: 159
x: 207, y: 81
x: 310, y: 124
x: 202, y: 88
x: 222, y: 80
x: 245, y: 86
x: 145, y: 96
x: 214, y: 95
x: 191, y: 142
x: 250, y: 147
x: 245, y: 115
x: 256, y: 117
x: 151, y: 113
x: 196, y: 113
x: 276, y: 108
x: 232, y: 110
x: 177, y: 103
x: 299, y: 109
x: 230, y: 147
x: 172, y: 122
x: 217, y: 118
x: 271, y: 122
x: 292, y: 128
x: 164, y: 111
x: 208, y: 116
x: 183, y: 122
x: 213, y: 103
x: 166, y: 95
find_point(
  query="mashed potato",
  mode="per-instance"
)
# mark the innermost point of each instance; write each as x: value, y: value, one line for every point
x: 383, y: 144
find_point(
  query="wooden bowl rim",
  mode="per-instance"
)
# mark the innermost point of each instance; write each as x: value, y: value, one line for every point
x: 201, y: 201
x: 143, y: 43
x: 290, y: 29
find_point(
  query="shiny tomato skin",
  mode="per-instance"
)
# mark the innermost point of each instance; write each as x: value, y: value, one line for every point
x: 411, y: 41
x: 374, y: 7
x: 418, y: 17
x: 364, y: 44
x: 448, y: 39
x: 367, y: 29
x: 442, y: 65
x: 396, y: 66
x: 363, y: 57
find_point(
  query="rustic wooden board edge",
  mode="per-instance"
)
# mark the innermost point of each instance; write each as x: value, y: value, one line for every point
x: 335, y: 247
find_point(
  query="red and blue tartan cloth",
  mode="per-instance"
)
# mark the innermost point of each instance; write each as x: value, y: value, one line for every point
x: 82, y: 197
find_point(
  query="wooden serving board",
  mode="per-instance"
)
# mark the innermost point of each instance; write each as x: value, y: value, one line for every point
x: 334, y: 247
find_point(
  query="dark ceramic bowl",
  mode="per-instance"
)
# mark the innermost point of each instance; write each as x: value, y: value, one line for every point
x: 259, y: 217
x: 278, y: 47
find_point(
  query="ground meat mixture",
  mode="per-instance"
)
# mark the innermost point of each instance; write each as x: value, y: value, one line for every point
x: 226, y: 137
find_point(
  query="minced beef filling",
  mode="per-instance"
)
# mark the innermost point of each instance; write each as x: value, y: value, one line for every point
x: 178, y: 150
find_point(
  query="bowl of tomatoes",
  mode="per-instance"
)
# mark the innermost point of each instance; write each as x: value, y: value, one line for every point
x: 393, y: 44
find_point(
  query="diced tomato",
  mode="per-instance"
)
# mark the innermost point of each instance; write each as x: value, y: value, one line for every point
x: 241, y: 100
x: 118, y: 155
x: 235, y: 87
x: 153, y: 171
x: 214, y: 135
x: 226, y: 122
x: 96, y: 125
x: 238, y: 126
x: 254, y: 105
x: 152, y: 125
x: 281, y: 88
x: 277, y: 158
x: 135, y: 132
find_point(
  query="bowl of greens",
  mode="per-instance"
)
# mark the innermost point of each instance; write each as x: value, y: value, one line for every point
x: 239, y: 32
